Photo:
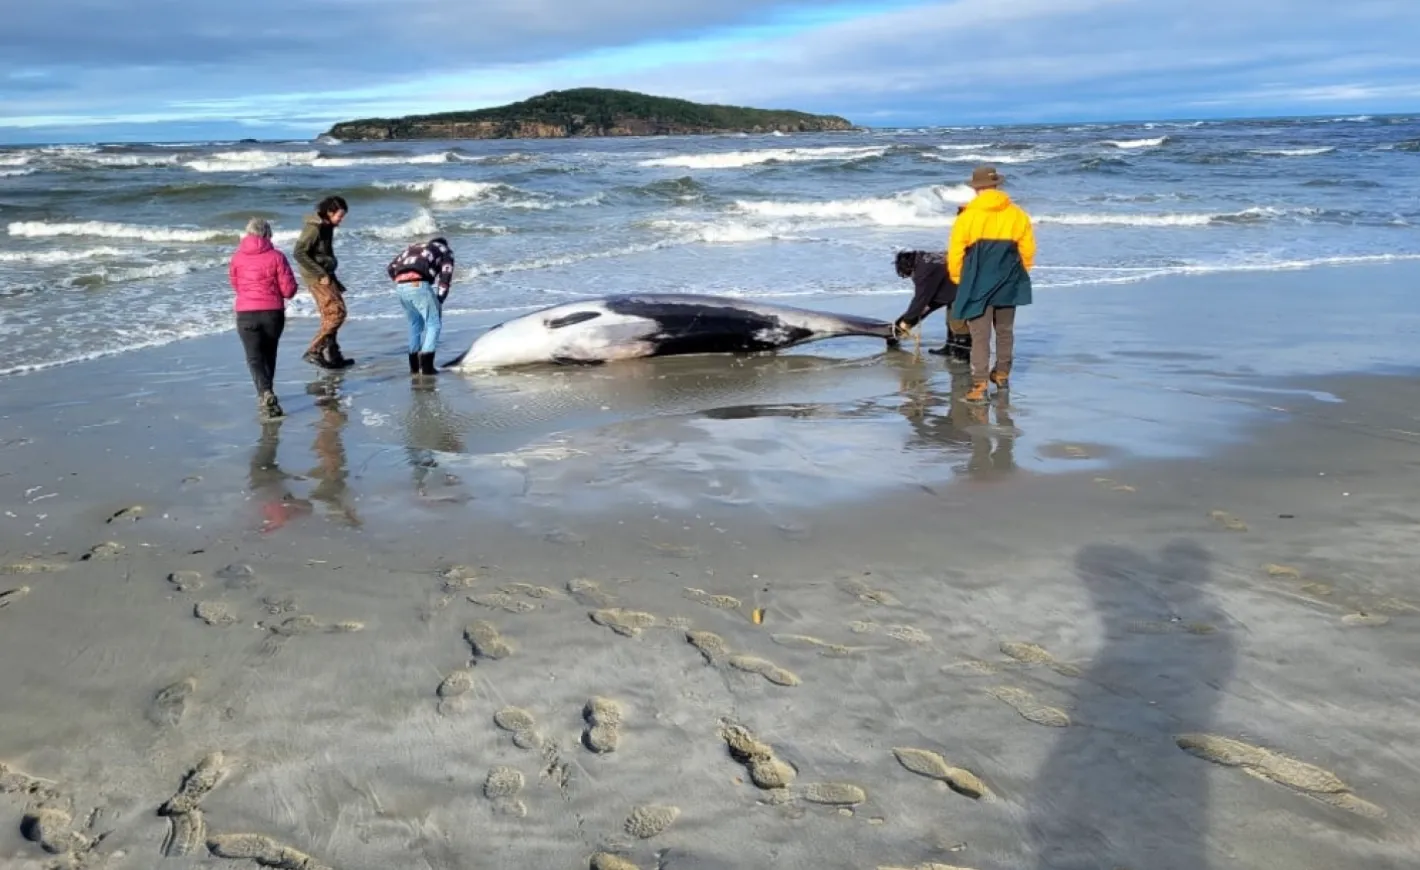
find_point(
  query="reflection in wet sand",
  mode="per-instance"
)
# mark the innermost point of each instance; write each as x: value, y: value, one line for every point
x: 267, y: 482
x: 430, y: 428
x: 332, y: 468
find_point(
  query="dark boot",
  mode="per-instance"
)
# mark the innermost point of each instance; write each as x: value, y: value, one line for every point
x: 414, y: 364
x: 334, y: 358
x: 426, y: 364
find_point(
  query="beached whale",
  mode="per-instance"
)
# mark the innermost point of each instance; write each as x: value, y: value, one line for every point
x: 593, y: 331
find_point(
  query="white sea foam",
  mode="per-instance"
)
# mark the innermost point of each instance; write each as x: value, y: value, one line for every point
x: 109, y: 230
x: 741, y: 159
x: 1293, y: 152
x: 251, y: 161
x: 422, y: 224
x: 14, y: 159
x: 1104, y: 219
x: 933, y: 206
x: 60, y: 256
x: 396, y: 160
x: 988, y: 157
x: 15, y: 173
x: 117, y: 160
x: 1134, y: 275
x: 1136, y: 143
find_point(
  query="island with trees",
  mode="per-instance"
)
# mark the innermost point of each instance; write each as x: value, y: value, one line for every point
x: 588, y: 112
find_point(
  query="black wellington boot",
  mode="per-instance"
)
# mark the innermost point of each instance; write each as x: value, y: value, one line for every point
x: 414, y: 364
x: 426, y: 364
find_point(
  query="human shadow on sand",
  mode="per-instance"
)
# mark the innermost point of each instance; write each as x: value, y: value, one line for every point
x: 1115, y: 791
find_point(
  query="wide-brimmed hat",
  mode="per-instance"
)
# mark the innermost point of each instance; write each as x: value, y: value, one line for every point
x: 983, y: 177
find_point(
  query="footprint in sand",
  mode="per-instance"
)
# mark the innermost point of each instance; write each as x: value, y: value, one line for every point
x: 500, y: 600
x: 186, y: 833
x: 486, y: 641
x: 834, y: 794
x: 1274, y: 767
x: 764, y: 668
x: 926, y: 763
x: 52, y: 829
x: 305, y: 624
x: 603, y: 732
x: 199, y: 781
x: 708, y: 644
x: 627, y: 623
x: 717, y: 602
x: 13, y: 781
x: 521, y: 724
x: 1032, y: 654
x: 102, y: 552
x: 765, y: 770
x: 186, y: 581
x: 1365, y: 620
x: 453, y: 692
x: 263, y: 850
x: 909, y: 635
x: 460, y: 577
x: 648, y: 821
x: 215, y: 613
x: 972, y: 668
x: 608, y: 861
x: 865, y: 593
x: 10, y: 596
x: 822, y: 647
x: 238, y: 576
x: 502, y: 787
x: 170, y: 703
x: 1031, y: 710
x: 129, y: 514
x: 589, y: 593
x: 1227, y: 521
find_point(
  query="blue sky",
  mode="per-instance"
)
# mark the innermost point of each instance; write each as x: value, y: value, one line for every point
x: 86, y: 70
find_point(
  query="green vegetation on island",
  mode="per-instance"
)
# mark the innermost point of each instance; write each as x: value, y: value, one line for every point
x: 589, y: 112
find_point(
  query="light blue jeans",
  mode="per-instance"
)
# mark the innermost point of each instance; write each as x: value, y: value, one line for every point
x: 422, y: 307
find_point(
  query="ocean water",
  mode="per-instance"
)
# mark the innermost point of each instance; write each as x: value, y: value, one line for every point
x: 109, y: 248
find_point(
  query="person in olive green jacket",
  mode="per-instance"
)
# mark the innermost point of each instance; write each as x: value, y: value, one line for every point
x: 989, y: 256
x: 315, y: 257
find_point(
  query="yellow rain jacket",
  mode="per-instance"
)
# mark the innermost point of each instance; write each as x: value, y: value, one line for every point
x: 990, y: 254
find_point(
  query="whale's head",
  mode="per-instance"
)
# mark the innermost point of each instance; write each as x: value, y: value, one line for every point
x: 540, y: 337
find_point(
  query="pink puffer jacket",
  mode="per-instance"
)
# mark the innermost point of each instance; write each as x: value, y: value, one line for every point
x: 261, y: 276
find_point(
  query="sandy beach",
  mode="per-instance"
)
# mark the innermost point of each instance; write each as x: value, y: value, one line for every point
x: 1155, y: 610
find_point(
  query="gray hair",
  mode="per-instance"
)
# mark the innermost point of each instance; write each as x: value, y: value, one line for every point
x: 259, y: 227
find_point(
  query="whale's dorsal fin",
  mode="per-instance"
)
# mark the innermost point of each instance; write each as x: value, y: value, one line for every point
x: 570, y: 319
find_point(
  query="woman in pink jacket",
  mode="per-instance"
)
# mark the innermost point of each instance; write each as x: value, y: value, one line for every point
x: 262, y: 279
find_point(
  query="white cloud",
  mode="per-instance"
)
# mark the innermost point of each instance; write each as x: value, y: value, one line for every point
x: 934, y: 62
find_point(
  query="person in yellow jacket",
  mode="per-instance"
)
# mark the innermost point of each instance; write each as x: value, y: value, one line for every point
x: 989, y: 258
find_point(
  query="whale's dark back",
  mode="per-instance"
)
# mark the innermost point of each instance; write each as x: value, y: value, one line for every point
x: 707, y: 324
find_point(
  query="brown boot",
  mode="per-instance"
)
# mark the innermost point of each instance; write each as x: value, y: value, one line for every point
x: 1001, y: 381
x: 977, y: 393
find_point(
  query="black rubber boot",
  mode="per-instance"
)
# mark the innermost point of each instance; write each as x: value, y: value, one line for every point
x: 414, y: 364
x: 426, y: 364
x: 334, y: 358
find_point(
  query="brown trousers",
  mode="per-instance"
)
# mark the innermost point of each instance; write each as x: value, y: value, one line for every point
x: 1003, y: 320
x: 330, y: 299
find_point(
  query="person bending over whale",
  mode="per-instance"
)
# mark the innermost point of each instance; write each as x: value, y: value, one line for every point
x: 933, y: 289
x: 422, y: 274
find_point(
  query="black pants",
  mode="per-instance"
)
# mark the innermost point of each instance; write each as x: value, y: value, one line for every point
x: 260, y: 332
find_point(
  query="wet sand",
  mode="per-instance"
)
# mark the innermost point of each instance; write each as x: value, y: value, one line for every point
x: 1155, y: 610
